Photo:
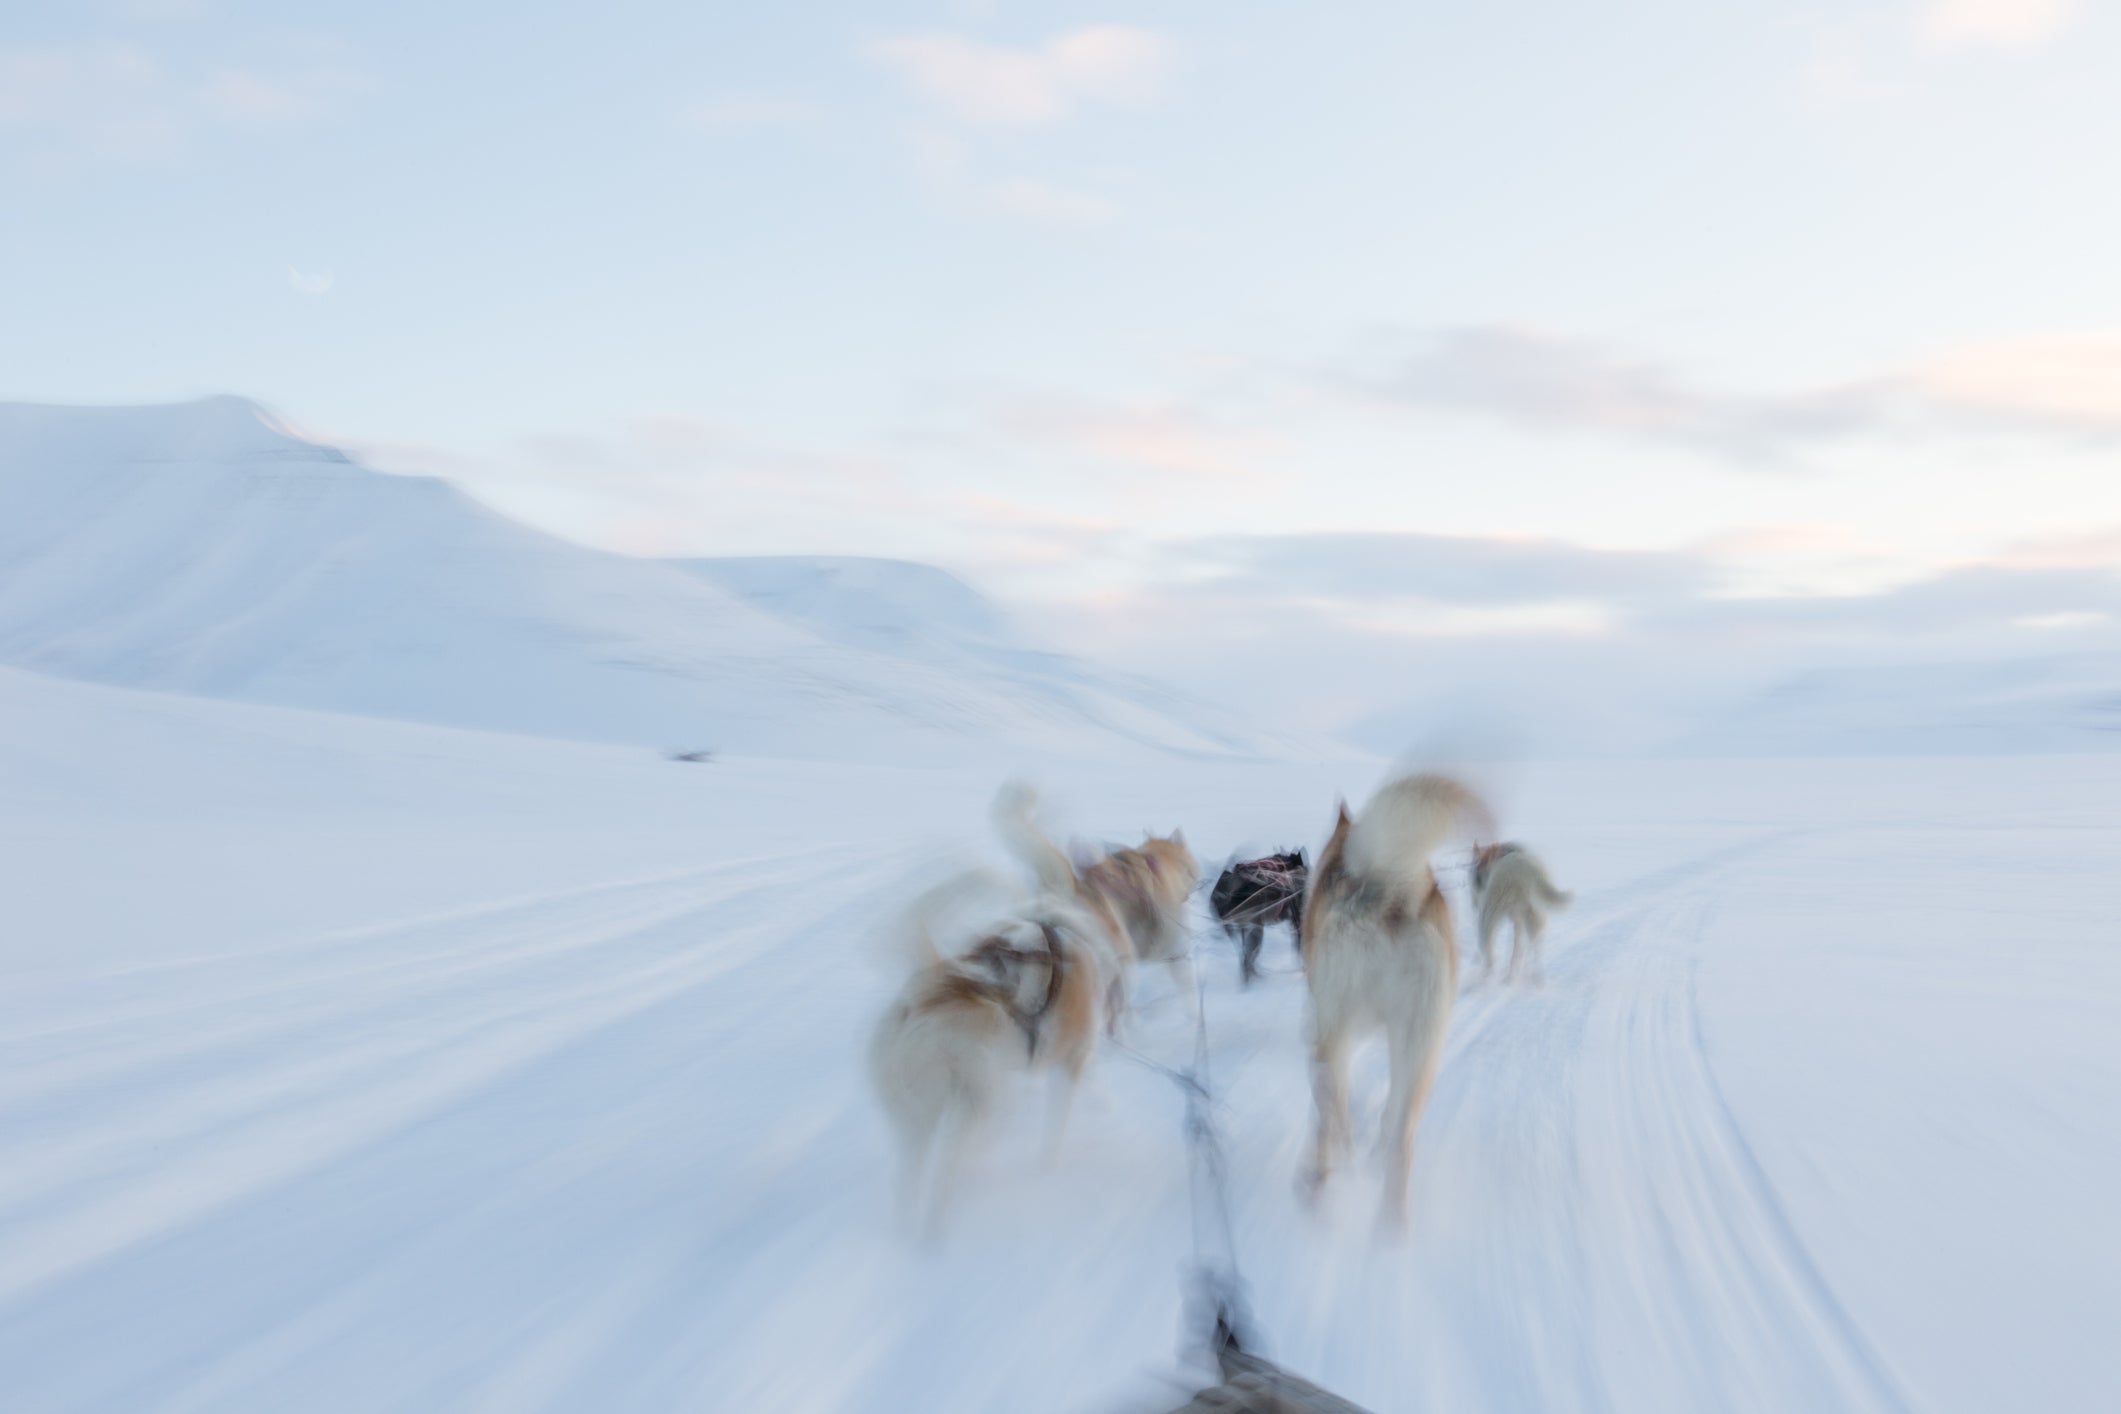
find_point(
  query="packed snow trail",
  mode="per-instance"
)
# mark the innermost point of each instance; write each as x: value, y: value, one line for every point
x: 579, y: 1121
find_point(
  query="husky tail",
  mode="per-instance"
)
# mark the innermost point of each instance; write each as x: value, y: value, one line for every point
x: 1013, y: 808
x: 1406, y: 821
x: 1553, y: 897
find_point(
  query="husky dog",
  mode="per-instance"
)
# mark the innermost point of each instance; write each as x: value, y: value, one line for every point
x: 1138, y: 895
x: 1511, y: 885
x: 1254, y: 894
x: 1026, y: 994
x: 1379, y: 955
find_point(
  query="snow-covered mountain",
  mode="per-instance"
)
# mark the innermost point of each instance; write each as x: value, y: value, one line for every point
x: 888, y: 606
x: 202, y: 548
x: 2069, y: 702
x: 927, y: 616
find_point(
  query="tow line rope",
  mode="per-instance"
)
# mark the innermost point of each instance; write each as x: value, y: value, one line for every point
x: 1217, y: 1300
x: 1220, y: 1289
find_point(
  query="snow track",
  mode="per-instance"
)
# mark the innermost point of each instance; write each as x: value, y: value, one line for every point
x: 182, y: 1107
x: 587, y: 1145
x: 1590, y: 1231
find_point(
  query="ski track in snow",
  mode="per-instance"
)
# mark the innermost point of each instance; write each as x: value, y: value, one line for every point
x: 611, y: 1147
x: 180, y: 1106
x: 1590, y: 1229
x: 217, y: 1107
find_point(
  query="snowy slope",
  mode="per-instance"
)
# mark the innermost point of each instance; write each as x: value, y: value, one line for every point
x: 928, y: 616
x: 353, y: 1065
x: 891, y: 606
x: 199, y: 548
x: 2061, y: 703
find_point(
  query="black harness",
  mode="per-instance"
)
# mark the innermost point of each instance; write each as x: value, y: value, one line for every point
x: 1056, y: 971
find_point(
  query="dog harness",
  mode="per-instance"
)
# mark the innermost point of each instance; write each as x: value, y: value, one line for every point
x: 1056, y: 967
x: 1272, y: 873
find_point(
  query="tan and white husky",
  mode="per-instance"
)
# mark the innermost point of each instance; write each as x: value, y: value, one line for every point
x: 1024, y: 992
x: 1379, y: 956
x: 1137, y: 895
x: 1511, y: 886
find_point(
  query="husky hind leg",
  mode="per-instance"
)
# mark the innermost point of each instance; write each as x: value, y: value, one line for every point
x: 957, y: 1136
x: 1329, y: 1096
x: 1414, y: 1062
x: 1490, y: 921
x: 913, y: 1129
x: 1066, y: 1080
x: 1255, y: 934
x: 1528, y: 926
x: 1416, y: 1040
x: 914, y: 1143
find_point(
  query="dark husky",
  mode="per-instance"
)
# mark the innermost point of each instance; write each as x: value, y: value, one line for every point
x: 1254, y: 894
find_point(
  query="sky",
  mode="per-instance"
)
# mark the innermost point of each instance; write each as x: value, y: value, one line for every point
x: 1331, y: 359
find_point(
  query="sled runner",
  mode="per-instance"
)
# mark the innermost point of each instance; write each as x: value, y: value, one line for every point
x: 1254, y: 1385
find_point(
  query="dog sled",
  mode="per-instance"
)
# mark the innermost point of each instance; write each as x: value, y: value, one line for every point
x: 1252, y: 1384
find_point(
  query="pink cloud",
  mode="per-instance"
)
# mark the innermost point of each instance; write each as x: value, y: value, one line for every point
x: 990, y: 83
x: 1156, y: 434
x: 1995, y: 24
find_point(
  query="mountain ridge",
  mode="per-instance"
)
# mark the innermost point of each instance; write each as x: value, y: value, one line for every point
x: 203, y: 547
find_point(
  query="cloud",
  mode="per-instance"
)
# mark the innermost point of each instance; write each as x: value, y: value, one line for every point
x: 998, y: 85
x: 247, y: 98
x: 1561, y: 646
x: 1156, y: 435
x: 1871, y: 55
x: 749, y: 112
x: 106, y: 101
x: 1954, y: 604
x: 1058, y: 205
x: 1994, y: 24
x: 1492, y: 572
x: 309, y: 284
x: 2056, y: 385
x: 1401, y: 579
x: 2094, y: 548
x: 117, y: 102
x: 2061, y: 382
x: 1542, y: 380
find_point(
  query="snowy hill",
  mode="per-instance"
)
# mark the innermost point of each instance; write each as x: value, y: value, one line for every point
x: 2064, y: 703
x: 927, y: 616
x: 201, y: 548
x: 891, y: 606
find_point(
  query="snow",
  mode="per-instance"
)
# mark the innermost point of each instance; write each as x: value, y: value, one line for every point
x: 924, y: 615
x: 890, y: 605
x: 359, y: 1064
x: 2063, y: 702
x: 200, y: 548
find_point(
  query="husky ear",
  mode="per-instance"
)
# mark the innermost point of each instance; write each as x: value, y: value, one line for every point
x: 1301, y: 857
x: 1342, y: 807
x: 1178, y: 836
